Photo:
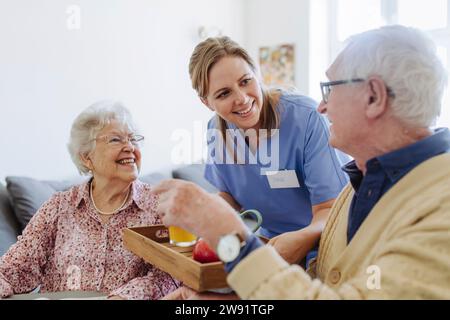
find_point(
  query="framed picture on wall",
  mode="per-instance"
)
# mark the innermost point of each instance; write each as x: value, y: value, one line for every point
x: 278, y: 65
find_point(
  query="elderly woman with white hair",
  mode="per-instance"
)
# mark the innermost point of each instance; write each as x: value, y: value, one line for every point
x: 74, y: 240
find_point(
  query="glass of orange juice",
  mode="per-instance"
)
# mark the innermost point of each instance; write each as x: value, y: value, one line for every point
x: 181, y: 237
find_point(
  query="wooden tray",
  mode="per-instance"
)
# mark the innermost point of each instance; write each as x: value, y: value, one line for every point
x: 152, y: 244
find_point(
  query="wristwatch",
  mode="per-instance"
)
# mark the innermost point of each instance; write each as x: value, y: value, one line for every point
x: 229, y: 246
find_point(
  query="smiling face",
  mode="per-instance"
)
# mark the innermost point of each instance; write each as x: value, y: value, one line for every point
x: 111, y: 160
x: 234, y: 92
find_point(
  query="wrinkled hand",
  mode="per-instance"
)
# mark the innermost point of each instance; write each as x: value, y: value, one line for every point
x: 186, y: 205
x: 115, y: 298
x: 289, y: 246
x: 186, y: 293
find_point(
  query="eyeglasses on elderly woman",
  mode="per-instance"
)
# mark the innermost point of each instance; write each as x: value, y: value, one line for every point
x: 115, y: 140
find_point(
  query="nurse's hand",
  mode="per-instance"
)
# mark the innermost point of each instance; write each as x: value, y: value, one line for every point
x: 186, y: 205
x: 290, y: 246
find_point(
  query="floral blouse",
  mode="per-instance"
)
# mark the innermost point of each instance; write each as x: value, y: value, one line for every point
x: 65, y: 246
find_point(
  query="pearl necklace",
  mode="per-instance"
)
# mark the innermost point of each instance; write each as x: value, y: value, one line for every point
x: 114, y: 211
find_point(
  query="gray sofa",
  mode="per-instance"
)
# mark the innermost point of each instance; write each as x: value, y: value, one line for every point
x: 22, y: 197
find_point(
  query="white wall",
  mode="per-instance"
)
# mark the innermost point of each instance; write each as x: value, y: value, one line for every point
x: 136, y: 51
x: 269, y: 23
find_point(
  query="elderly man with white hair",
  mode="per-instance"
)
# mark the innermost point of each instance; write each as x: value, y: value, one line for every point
x: 388, y: 233
x: 74, y: 241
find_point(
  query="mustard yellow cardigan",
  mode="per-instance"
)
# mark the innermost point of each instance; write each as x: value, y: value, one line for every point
x: 401, y: 251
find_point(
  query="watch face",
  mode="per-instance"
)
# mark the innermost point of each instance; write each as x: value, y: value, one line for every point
x: 228, y: 248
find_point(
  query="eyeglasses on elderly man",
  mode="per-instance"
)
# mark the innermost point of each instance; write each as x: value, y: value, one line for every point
x: 325, y: 87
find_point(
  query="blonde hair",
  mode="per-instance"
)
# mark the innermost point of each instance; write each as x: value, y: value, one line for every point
x: 206, y: 54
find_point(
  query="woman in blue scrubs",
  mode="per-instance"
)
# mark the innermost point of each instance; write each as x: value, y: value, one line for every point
x: 267, y: 149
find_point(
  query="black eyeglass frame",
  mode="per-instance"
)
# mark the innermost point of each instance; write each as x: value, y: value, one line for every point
x: 325, y: 87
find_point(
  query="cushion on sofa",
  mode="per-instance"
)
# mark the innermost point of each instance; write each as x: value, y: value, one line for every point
x: 194, y: 173
x: 9, y: 226
x: 28, y: 194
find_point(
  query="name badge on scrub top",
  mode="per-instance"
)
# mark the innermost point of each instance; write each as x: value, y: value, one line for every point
x: 282, y: 179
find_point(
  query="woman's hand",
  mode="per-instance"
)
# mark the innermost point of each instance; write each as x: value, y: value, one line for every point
x: 115, y: 298
x: 185, y: 293
x: 186, y: 205
x: 289, y: 246
x: 293, y: 246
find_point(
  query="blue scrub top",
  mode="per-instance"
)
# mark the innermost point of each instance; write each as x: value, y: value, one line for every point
x: 303, y: 146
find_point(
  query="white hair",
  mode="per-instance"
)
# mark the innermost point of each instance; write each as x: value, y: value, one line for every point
x: 406, y: 59
x: 89, y: 123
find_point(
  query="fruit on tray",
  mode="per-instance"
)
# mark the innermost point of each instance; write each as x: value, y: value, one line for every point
x: 203, y: 252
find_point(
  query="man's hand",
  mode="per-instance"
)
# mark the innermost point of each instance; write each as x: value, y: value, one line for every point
x: 186, y: 205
